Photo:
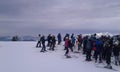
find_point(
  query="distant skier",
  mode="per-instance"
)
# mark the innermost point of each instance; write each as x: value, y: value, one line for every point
x: 59, y: 38
x: 39, y: 41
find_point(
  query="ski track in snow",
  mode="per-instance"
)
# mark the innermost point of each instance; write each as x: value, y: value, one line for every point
x: 25, y: 57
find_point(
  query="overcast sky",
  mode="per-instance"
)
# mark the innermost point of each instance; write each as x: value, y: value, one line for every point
x: 30, y: 17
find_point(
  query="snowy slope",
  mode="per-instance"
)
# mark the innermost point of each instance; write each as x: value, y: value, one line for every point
x: 24, y: 57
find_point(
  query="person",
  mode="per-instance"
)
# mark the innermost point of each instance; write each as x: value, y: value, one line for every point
x: 59, y: 38
x: 49, y: 40
x: 84, y: 44
x: 73, y: 40
x: 76, y: 45
x: 116, y: 51
x: 66, y: 46
x: 98, y: 50
x: 88, y: 50
x: 39, y: 41
x: 70, y: 45
x: 79, y: 42
x: 108, y: 47
x: 53, y: 42
x: 67, y: 35
x: 43, y: 44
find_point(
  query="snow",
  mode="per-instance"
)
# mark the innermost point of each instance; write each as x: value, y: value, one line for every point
x: 24, y: 57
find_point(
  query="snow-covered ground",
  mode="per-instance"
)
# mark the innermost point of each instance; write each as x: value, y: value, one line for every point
x: 24, y: 57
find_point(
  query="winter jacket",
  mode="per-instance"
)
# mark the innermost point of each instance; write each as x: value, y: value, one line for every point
x: 89, y: 45
x: 99, y: 45
x: 66, y: 42
x: 116, y: 50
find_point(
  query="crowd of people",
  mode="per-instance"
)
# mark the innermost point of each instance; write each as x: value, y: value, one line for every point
x: 98, y: 48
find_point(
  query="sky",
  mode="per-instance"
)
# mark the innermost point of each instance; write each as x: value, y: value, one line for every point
x: 31, y: 17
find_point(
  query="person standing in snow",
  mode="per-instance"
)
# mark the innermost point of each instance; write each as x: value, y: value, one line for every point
x: 70, y: 45
x: 53, y: 42
x: 98, y: 50
x: 49, y: 40
x: 88, y: 50
x: 73, y: 40
x: 66, y: 36
x: 85, y: 39
x: 43, y: 44
x: 67, y: 46
x: 76, y: 45
x: 108, y: 47
x: 39, y: 42
x: 59, y: 38
x: 79, y: 42
x: 116, y: 52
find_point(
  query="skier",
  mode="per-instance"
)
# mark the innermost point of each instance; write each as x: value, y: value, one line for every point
x: 39, y: 42
x: 84, y: 44
x: 116, y: 51
x: 76, y: 45
x: 59, y: 38
x: 79, y: 42
x: 67, y: 47
x: 88, y: 50
x: 98, y: 50
x: 53, y: 42
x: 73, y: 40
x: 43, y: 44
x: 108, y: 47
x: 67, y: 35
x: 48, y: 39
x: 70, y: 45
